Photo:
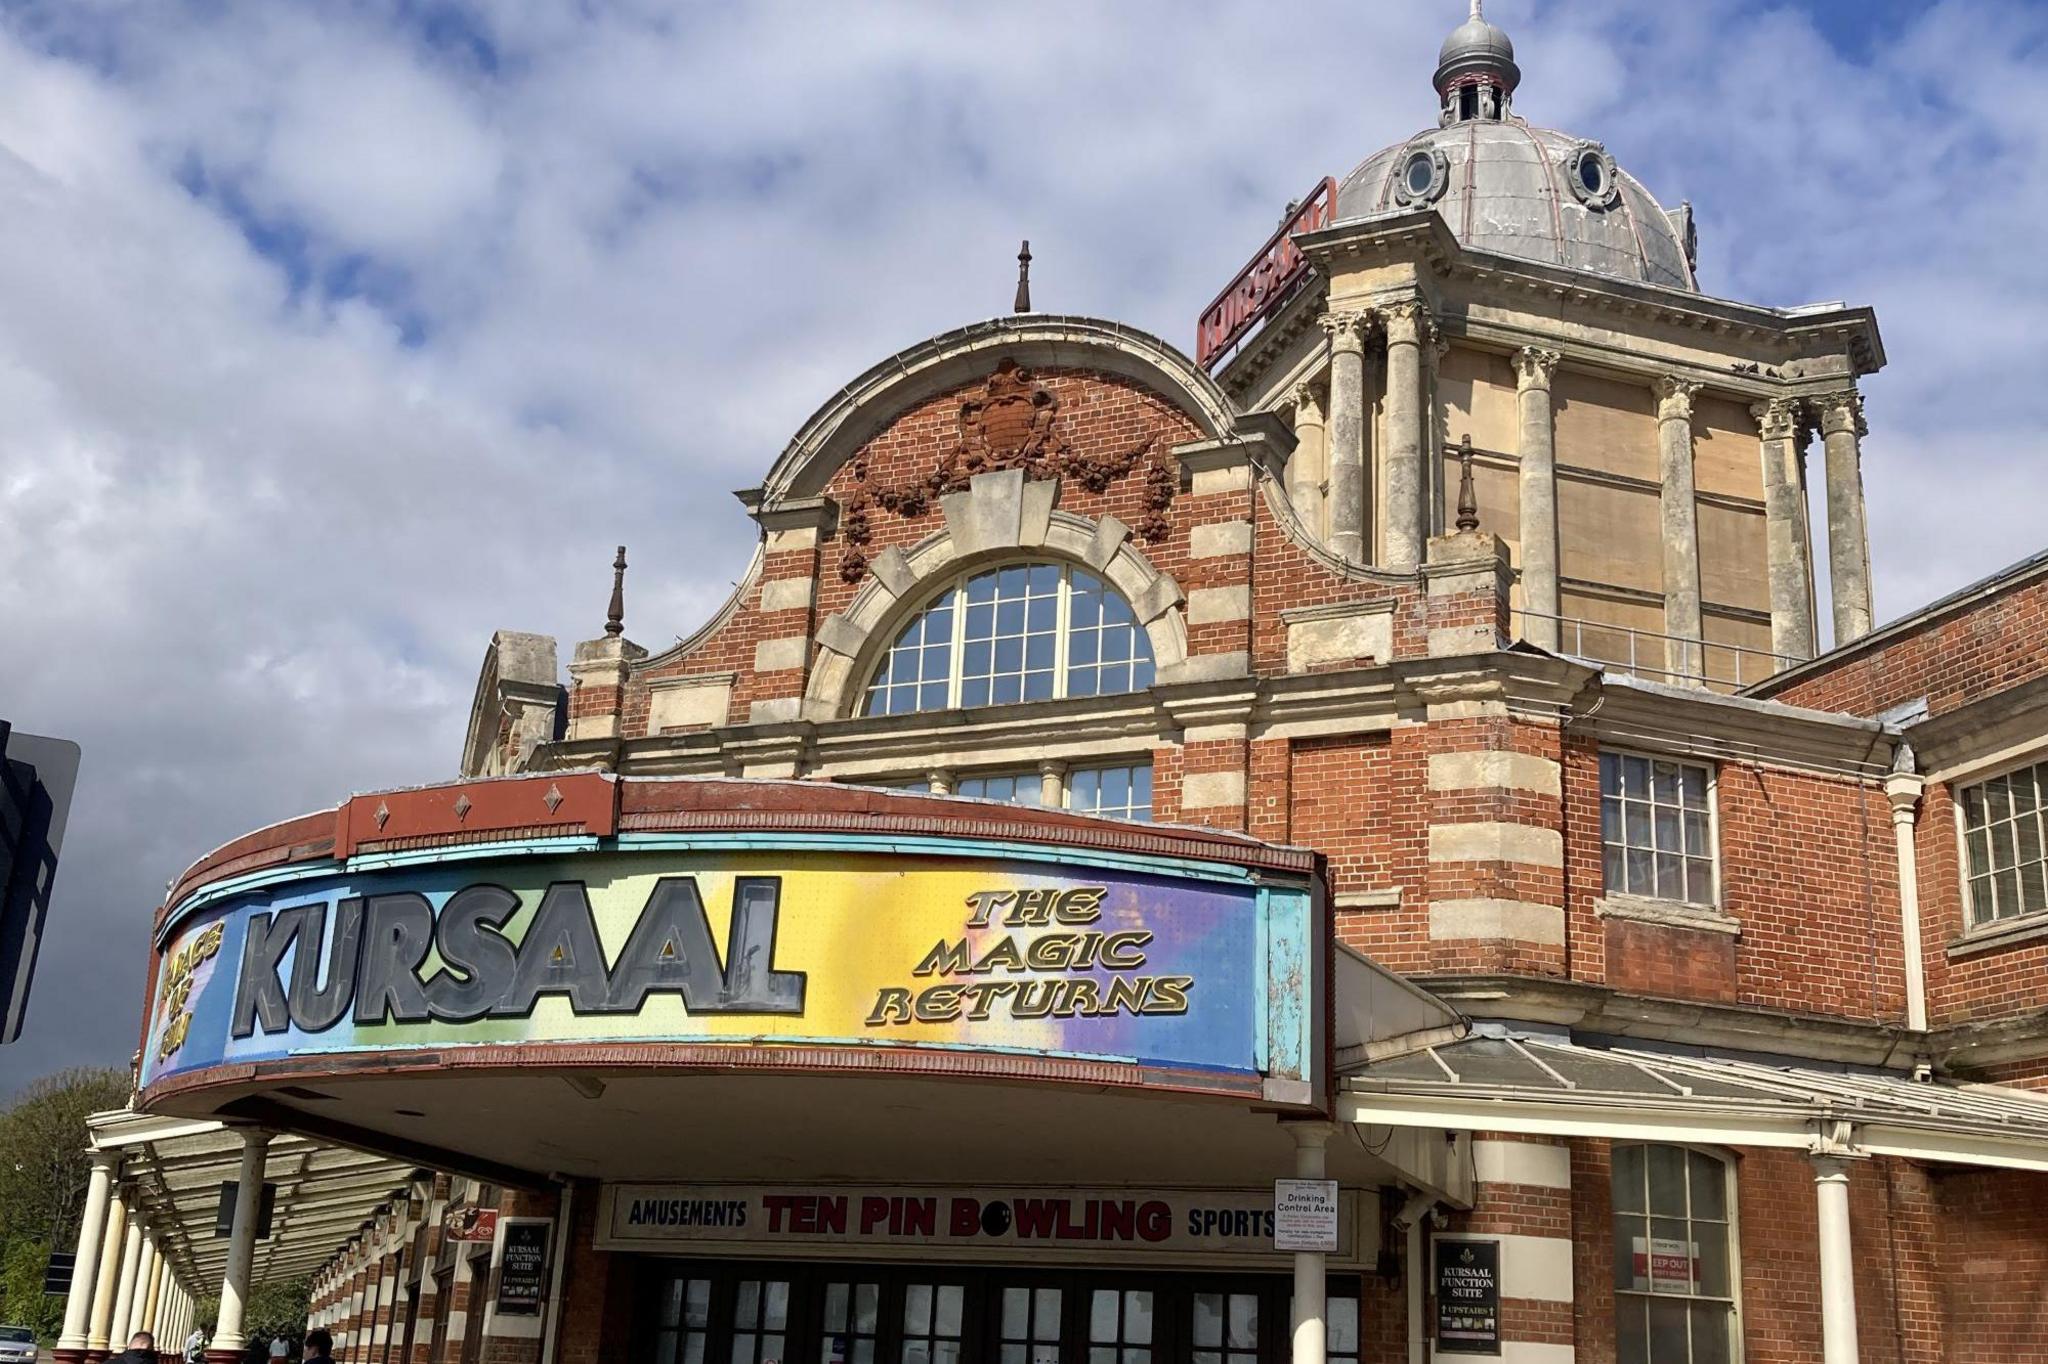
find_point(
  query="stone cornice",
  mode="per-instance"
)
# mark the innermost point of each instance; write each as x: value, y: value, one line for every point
x: 1601, y: 1010
x: 1735, y: 728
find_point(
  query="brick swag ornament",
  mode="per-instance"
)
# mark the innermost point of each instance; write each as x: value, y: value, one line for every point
x: 1011, y: 424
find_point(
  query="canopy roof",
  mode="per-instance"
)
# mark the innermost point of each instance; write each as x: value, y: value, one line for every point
x: 1500, y: 1080
x: 175, y: 1167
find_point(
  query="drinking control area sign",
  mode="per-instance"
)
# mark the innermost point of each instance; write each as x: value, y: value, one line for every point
x: 1305, y: 1214
x: 1467, y: 1297
x: 1208, y: 979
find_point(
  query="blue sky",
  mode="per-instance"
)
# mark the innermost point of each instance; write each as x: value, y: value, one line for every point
x: 333, y: 337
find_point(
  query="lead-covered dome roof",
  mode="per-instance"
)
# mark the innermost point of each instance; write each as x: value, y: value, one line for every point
x: 1504, y: 185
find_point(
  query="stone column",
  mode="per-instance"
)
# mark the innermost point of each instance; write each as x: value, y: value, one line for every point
x: 1780, y: 428
x: 122, y: 1322
x: 152, y: 1298
x: 1052, y: 789
x: 1347, y: 332
x: 234, y: 1285
x: 1534, y: 367
x: 1311, y: 1330
x: 1842, y: 431
x: 1837, y: 1262
x: 1407, y: 475
x: 1681, y: 524
x: 1309, y: 466
x: 107, y: 1279
x: 92, y: 1228
x: 145, y: 1274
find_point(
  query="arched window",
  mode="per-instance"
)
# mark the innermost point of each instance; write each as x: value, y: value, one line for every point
x: 1021, y: 632
x: 1674, y: 1256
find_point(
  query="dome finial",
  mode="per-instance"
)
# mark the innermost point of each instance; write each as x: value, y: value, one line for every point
x: 1476, y: 73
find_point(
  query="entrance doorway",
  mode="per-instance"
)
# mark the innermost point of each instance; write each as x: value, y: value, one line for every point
x: 727, y: 1312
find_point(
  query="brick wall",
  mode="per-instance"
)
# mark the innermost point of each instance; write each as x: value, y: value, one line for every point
x: 1970, y: 651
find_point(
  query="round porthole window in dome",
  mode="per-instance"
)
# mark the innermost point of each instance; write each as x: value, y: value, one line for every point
x: 1424, y: 173
x: 1591, y: 174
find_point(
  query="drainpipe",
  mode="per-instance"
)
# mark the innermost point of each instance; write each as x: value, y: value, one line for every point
x: 1903, y: 788
x: 1410, y: 1219
x: 565, y: 1207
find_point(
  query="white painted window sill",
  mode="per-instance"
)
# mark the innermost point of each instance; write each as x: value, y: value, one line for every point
x: 2009, y: 933
x: 1667, y: 914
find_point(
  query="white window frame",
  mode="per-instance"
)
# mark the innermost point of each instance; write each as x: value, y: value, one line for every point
x: 957, y: 655
x: 1713, y: 829
x: 961, y: 776
x: 1731, y: 1169
x: 1972, y: 926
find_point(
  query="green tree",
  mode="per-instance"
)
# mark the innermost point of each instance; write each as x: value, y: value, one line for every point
x: 43, y: 1175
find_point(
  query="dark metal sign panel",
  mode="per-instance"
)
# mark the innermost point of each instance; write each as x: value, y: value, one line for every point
x: 523, y: 1267
x: 1467, y: 1297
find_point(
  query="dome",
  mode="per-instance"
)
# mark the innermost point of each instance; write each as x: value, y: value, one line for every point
x: 1503, y: 185
x: 1507, y: 187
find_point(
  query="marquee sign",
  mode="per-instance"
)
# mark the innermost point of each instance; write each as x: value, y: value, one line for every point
x: 1202, y: 979
x: 1159, y: 1225
x: 1266, y: 282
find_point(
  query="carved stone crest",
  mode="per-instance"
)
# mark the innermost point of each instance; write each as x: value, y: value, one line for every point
x: 1012, y: 423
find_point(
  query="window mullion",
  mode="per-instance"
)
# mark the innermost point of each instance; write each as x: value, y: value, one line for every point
x: 1062, y: 602
x: 958, y: 652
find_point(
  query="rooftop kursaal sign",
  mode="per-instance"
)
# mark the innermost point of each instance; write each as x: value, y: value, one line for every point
x: 1266, y: 281
x: 1016, y: 955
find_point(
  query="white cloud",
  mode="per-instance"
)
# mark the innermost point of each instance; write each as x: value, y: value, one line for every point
x: 255, y: 529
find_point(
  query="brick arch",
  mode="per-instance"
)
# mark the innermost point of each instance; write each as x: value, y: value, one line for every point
x: 999, y: 515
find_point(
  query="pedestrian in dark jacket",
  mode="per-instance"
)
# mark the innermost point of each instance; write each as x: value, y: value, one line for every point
x: 319, y: 1346
x: 141, y: 1350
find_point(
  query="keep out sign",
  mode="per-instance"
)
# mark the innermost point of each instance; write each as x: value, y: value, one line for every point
x: 1150, y: 1223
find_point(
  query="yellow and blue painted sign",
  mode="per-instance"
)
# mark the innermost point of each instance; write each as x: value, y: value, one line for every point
x: 829, y: 940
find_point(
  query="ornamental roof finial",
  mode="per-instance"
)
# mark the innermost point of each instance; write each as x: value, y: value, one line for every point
x: 1024, y: 279
x: 1468, y: 496
x: 615, y: 616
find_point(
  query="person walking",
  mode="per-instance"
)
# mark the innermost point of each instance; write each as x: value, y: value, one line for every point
x: 195, y: 1346
x: 319, y: 1346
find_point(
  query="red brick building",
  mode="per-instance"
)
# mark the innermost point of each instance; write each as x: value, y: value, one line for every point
x: 1672, y: 987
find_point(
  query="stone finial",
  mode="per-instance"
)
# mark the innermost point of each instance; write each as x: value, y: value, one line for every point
x: 1023, y: 279
x: 615, y: 615
x: 1468, y: 496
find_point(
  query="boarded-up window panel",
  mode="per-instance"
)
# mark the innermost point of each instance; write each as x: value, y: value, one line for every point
x: 1725, y: 667
x: 1605, y: 425
x: 1606, y: 621
x: 1477, y: 390
x: 1734, y: 557
x: 1609, y: 535
x: 1726, y: 457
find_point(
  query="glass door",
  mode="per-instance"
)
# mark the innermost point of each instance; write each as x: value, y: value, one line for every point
x: 760, y: 1321
x: 934, y: 1321
x: 1120, y: 1325
x: 1028, y: 1324
x: 849, y: 1322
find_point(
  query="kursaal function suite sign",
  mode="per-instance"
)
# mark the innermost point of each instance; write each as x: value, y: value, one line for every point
x: 1202, y: 975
